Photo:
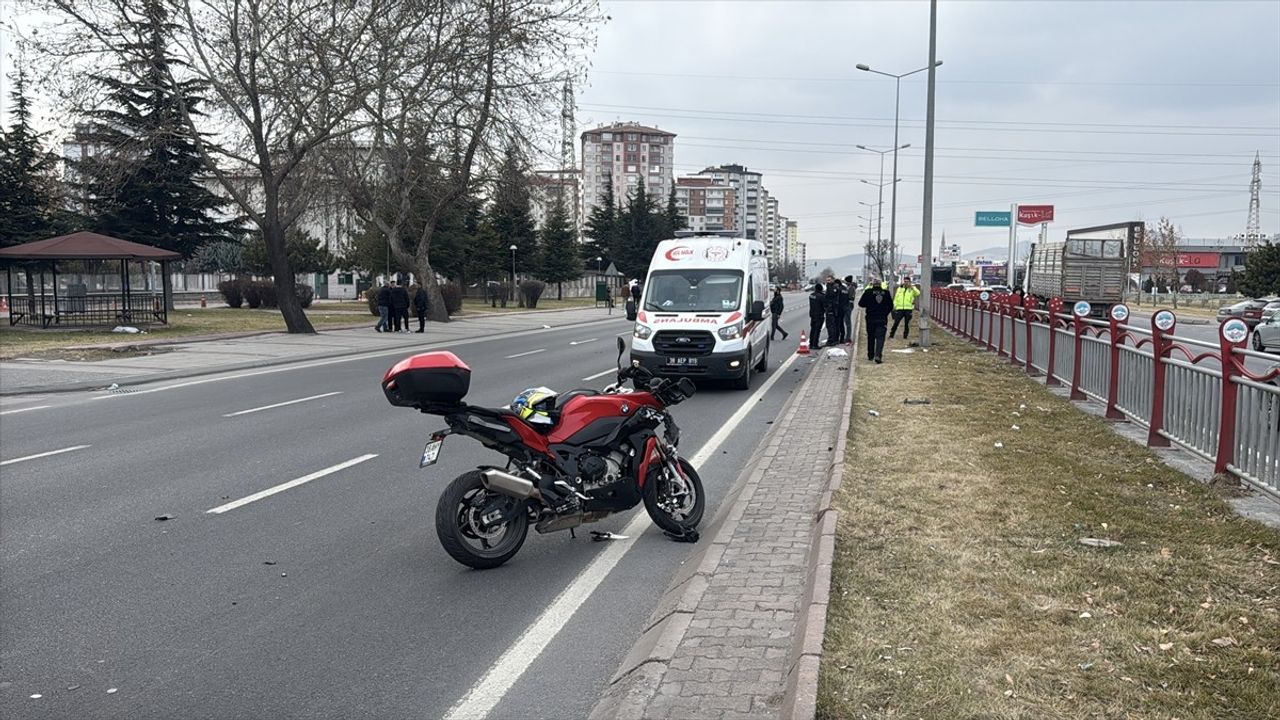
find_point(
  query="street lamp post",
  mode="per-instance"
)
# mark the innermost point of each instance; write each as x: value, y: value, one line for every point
x: 893, y: 248
x: 926, y: 238
x: 513, y: 272
x: 897, y: 96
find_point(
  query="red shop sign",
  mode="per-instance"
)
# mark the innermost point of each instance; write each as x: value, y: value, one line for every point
x: 1035, y: 214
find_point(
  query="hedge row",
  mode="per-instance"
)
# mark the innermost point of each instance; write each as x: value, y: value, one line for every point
x: 259, y: 293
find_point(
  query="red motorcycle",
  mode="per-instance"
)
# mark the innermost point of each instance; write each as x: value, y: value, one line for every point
x: 599, y: 454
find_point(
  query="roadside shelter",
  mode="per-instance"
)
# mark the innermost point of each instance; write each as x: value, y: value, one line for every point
x: 85, y: 279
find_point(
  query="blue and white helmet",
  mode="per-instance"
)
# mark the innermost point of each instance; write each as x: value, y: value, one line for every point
x: 535, y: 404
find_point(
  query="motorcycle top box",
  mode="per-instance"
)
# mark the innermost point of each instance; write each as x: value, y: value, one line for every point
x: 426, y: 379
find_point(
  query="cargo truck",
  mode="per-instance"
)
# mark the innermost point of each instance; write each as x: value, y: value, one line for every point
x: 1091, y: 264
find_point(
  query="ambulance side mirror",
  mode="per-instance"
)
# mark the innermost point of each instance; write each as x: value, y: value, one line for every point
x: 756, y: 313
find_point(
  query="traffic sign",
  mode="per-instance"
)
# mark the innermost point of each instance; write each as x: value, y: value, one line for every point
x: 1120, y: 312
x: 1082, y: 308
x: 992, y: 218
x: 1234, y: 330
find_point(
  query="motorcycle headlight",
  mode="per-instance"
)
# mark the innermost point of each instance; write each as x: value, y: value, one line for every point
x: 732, y: 332
x: 642, y: 332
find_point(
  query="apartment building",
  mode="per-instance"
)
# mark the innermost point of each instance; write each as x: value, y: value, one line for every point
x: 548, y: 186
x: 624, y: 156
x: 747, y: 186
x: 706, y: 205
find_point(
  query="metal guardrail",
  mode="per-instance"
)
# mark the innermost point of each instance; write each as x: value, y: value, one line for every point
x: 1198, y: 395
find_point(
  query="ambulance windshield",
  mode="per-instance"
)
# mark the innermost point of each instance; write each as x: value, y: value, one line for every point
x: 696, y: 291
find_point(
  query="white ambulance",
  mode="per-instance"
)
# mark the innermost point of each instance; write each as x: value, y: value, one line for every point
x: 704, y: 310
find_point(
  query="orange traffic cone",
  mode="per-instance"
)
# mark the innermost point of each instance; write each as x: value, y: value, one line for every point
x: 804, y: 344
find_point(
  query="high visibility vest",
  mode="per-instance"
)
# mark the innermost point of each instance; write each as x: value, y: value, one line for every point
x: 905, y: 298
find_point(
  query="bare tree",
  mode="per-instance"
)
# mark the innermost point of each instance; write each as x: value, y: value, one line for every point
x: 456, y: 80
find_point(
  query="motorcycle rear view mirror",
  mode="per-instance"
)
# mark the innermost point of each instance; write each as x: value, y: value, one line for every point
x: 622, y: 348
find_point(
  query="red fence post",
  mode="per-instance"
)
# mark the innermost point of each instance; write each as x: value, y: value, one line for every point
x: 999, y: 318
x: 1055, y: 307
x: 1078, y: 327
x: 1231, y: 336
x: 1015, y: 311
x: 989, y: 332
x: 1119, y: 313
x: 1028, y: 314
x: 1162, y: 322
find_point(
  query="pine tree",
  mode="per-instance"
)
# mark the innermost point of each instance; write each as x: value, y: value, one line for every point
x: 601, y: 230
x: 29, y: 201
x: 143, y: 185
x: 640, y: 231
x: 1261, y: 276
x: 511, y: 216
x: 672, y: 219
x: 560, y: 256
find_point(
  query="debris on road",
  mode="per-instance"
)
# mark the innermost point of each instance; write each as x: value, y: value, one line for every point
x: 836, y: 353
x: 162, y: 518
x: 598, y: 535
x: 112, y: 691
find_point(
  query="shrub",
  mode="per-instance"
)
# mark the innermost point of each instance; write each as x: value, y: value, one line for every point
x: 232, y: 292
x: 452, y: 298
x: 252, y: 290
x: 531, y: 291
x: 305, y: 294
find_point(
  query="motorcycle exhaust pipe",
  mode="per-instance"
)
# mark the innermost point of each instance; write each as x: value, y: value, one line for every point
x: 508, y: 484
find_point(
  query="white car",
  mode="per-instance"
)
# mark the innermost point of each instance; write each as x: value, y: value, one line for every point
x: 1266, y: 335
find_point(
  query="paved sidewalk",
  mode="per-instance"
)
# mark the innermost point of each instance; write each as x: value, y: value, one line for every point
x: 728, y: 638
x: 185, y: 358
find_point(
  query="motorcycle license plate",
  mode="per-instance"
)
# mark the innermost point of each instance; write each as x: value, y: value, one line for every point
x: 431, y: 452
x: 682, y: 361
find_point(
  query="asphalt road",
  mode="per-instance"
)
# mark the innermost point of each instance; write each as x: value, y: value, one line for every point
x: 1257, y: 363
x: 331, y: 598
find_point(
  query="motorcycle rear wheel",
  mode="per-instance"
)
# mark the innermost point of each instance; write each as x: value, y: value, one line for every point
x: 458, y: 525
x: 674, y: 506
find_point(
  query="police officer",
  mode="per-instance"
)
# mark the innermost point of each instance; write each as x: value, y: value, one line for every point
x: 876, y: 303
x: 775, y: 311
x: 904, y: 302
x: 832, y: 304
x: 817, y: 313
x: 850, y: 291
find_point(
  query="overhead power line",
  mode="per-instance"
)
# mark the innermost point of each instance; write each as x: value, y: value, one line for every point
x: 947, y: 81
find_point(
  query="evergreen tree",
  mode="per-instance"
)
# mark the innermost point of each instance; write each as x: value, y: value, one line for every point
x: 1261, y: 276
x: 511, y: 217
x: 640, y: 231
x: 29, y: 201
x: 672, y: 220
x: 487, y: 256
x: 455, y: 233
x: 601, y: 230
x: 143, y: 184
x: 560, y: 256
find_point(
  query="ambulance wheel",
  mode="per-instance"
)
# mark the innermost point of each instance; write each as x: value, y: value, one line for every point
x: 744, y: 381
x: 763, y: 365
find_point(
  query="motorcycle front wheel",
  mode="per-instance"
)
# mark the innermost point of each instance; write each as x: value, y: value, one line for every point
x: 674, y: 504
x: 463, y: 532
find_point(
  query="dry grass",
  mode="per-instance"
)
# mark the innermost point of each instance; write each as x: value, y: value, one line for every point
x: 184, y: 323
x: 960, y: 588
x: 477, y: 305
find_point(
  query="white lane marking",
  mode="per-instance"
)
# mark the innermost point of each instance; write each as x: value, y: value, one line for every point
x: 282, y: 404
x: 524, y: 354
x: 485, y: 695
x: 25, y: 409
x: 44, y: 454
x: 345, y: 359
x: 292, y: 483
x: 610, y: 371
x: 583, y: 342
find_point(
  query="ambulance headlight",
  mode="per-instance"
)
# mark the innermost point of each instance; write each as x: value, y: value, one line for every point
x: 732, y: 332
x: 642, y: 332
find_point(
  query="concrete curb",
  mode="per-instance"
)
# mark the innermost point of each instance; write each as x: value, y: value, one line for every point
x: 800, y: 699
x: 637, y: 679
x: 233, y: 367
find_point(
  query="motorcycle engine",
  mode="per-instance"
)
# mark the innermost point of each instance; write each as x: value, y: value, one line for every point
x: 596, y: 471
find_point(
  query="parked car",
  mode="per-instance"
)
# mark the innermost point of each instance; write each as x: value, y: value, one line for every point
x: 959, y: 286
x: 1266, y: 335
x: 1248, y: 310
x: 1270, y: 310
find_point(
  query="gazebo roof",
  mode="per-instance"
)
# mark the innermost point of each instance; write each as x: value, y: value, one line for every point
x: 86, y: 246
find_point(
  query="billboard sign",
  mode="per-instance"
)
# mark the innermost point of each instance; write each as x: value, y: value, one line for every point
x: 1034, y: 214
x: 1198, y: 260
x: 992, y: 218
x: 949, y: 253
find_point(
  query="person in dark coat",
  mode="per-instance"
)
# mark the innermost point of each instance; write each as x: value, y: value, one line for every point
x: 877, y: 303
x: 834, y: 325
x: 399, y: 307
x: 384, y: 308
x: 850, y: 291
x: 775, y: 310
x: 420, y: 303
x: 817, y: 313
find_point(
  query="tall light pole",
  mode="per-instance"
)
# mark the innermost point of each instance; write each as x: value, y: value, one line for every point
x: 926, y: 237
x: 897, y: 96
x: 879, y: 229
x: 513, y: 272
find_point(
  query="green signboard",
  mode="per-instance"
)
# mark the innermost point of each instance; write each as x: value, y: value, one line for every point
x: 988, y: 218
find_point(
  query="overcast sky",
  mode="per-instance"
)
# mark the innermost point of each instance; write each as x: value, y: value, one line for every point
x: 1110, y: 111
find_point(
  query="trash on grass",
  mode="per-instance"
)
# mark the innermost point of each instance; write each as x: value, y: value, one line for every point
x: 915, y: 401
x: 1227, y: 641
x: 1014, y: 427
x: 999, y: 445
x: 1100, y: 542
x: 873, y: 413
x: 127, y: 329
x: 903, y: 350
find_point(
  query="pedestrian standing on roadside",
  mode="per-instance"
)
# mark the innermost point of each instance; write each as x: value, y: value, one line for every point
x: 775, y: 310
x: 399, y: 307
x: 877, y: 304
x: 851, y: 291
x: 420, y: 303
x: 636, y: 291
x: 817, y: 313
x: 384, y: 308
x: 904, y: 303
x: 835, y: 325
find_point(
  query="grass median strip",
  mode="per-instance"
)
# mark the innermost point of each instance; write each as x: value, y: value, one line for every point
x: 961, y: 587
